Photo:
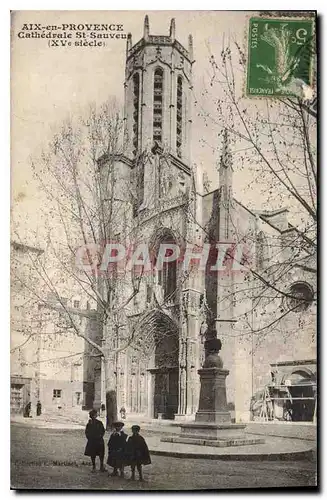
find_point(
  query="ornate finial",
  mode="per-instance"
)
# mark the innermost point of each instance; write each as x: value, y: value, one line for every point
x: 226, y: 157
x: 146, y: 30
x: 172, y: 30
x: 226, y: 179
x: 129, y: 42
x: 190, y: 46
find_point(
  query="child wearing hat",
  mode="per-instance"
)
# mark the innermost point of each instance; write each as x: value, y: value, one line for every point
x: 94, y: 433
x: 117, y: 449
x: 137, y: 452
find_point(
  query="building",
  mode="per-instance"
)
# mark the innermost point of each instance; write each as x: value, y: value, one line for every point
x: 168, y: 206
x: 24, y: 309
x: 48, y: 362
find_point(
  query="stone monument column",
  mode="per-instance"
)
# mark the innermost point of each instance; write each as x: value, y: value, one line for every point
x: 212, y: 425
x: 213, y: 401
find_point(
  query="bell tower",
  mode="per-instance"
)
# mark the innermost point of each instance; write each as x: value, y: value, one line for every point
x: 158, y: 86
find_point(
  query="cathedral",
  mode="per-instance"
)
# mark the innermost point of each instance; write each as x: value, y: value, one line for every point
x: 249, y: 278
x: 169, y: 206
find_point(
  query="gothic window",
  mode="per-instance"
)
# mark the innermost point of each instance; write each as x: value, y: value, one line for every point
x: 136, y: 105
x: 167, y: 275
x: 302, y: 296
x: 157, y: 105
x: 179, y: 116
x: 167, y: 279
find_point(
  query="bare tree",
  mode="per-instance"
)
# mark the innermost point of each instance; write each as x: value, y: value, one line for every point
x: 77, y: 175
x: 274, y: 143
x: 91, y: 201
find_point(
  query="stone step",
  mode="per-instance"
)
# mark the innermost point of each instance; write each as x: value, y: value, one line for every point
x: 219, y: 443
x: 208, y: 438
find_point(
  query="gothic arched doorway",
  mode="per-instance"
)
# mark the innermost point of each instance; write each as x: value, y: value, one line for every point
x: 163, y: 367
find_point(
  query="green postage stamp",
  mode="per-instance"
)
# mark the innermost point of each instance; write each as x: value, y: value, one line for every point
x: 280, y: 56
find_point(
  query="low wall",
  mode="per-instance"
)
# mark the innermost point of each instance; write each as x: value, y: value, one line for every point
x: 293, y: 430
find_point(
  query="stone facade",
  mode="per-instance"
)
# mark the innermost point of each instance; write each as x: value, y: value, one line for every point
x: 158, y: 198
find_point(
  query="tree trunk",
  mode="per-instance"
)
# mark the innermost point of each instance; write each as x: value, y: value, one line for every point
x: 111, y: 391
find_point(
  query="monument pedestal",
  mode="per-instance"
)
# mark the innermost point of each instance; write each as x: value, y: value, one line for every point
x: 213, y: 425
x: 212, y: 431
x: 213, y: 400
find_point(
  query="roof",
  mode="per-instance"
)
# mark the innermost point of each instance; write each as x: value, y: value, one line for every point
x: 262, y: 215
x: 271, y: 213
x: 26, y: 248
x: 295, y: 362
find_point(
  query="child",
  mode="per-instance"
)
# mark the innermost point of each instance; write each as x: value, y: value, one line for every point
x: 117, y: 449
x: 137, y: 452
x: 94, y: 433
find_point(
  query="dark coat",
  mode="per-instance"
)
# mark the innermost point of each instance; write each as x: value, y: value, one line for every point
x: 117, y: 450
x: 94, y: 433
x: 27, y: 409
x: 137, y: 451
x: 38, y: 409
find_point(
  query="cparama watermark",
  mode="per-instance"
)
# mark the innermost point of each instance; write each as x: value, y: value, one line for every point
x: 114, y: 258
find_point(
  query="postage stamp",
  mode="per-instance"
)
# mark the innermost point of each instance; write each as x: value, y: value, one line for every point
x: 280, y: 57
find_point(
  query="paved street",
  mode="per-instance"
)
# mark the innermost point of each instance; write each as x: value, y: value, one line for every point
x: 53, y: 458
